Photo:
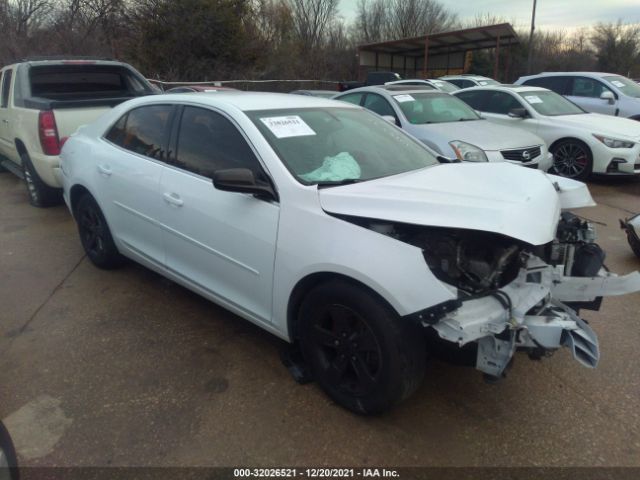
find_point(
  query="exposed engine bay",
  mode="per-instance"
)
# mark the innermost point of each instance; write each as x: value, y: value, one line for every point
x: 480, y: 262
x: 513, y: 295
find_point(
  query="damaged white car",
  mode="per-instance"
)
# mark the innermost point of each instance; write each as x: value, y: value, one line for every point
x: 336, y: 231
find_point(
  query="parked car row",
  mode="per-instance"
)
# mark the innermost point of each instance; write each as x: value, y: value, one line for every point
x: 449, y: 126
x: 360, y: 231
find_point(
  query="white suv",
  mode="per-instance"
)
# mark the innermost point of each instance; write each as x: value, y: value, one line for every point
x: 597, y: 92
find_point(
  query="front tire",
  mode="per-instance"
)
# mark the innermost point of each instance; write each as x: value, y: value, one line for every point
x: 572, y: 159
x: 360, y: 351
x: 41, y: 195
x: 95, y: 235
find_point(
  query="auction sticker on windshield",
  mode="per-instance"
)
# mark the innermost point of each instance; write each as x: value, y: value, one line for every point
x: 289, y: 126
x: 617, y: 83
x: 533, y: 99
x: 404, y: 98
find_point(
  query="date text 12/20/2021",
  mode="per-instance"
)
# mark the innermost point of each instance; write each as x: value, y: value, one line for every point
x: 315, y: 473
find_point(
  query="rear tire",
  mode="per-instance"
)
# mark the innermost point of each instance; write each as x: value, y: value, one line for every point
x: 95, y: 235
x: 572, y: 159
x: 364, y: 356
x: 41, y: 195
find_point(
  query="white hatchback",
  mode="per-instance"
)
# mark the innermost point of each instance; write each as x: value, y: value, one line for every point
x: 336, y: 231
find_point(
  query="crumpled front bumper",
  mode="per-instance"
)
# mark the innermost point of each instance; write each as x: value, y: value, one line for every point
x: 530, y: 313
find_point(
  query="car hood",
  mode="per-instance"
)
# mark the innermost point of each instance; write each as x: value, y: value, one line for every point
x: 609, y: 125
x: 494, y: 197
x: 481, y: 133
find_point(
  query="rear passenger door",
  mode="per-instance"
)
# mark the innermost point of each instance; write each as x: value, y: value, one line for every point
x: 585, y: 91
x: 127, y: 179
x: 221, y: 243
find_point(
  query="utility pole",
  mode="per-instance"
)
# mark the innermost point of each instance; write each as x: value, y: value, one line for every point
x: 533, y: 27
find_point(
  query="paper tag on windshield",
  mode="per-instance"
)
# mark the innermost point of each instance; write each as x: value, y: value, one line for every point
x: 617, y: 83
x: 532, y: 99
x: 404, y: 98
x: 290, y: 126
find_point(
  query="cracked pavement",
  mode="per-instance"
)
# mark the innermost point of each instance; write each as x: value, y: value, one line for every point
x: 126, y: 368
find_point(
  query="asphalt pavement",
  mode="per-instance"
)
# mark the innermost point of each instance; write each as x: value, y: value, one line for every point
x: 123, y: 368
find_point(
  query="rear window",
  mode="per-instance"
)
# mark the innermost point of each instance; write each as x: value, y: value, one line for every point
x: 60, y: 82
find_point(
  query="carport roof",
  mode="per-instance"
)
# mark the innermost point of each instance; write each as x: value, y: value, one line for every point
x: 448, y: 42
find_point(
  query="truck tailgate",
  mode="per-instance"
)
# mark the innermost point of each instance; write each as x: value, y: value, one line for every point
x: 69, y: 119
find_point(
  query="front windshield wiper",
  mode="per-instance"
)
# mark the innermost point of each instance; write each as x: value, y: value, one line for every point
x: 337, y: 183
x: 469, y: 119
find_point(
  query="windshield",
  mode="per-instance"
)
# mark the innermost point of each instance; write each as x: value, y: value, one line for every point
x: 421, y: 108
x: 324, y: 145
x: 550, y: 103
x: 626, y: 85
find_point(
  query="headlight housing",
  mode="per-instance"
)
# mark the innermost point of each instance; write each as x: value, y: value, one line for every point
x: 467, y: 152
x: 614, y: 142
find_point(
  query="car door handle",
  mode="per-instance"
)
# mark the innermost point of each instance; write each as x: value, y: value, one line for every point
x: 104, y: 170
x: 173, y: 199
x: 4, y: 120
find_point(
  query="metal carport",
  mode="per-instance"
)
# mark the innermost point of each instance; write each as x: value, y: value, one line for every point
x: 439, y: 53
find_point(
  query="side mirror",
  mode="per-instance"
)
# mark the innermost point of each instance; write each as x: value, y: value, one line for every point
x: 609, y: 96
x: 518, y: 113
x: 242, y: 180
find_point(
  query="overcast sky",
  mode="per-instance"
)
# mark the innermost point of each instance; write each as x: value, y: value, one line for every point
x: 551, y: 14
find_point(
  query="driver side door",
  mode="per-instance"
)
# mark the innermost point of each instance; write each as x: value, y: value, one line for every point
x: 220, y: 243
x: 497, y: 106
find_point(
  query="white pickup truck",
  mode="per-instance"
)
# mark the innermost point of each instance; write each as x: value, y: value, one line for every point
x: 43, y: 101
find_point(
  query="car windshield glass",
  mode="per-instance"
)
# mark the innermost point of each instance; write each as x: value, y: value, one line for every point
x: 334, y: 145
x: 550, y: 103
x: 487, y: 81
x: 421, y: 108
x: 626, y: 85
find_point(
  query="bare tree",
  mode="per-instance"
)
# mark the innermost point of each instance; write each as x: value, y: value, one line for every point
x: 311, y: 19
x: 392, y: 19
x: 371, y: 21
x: 617, y: 47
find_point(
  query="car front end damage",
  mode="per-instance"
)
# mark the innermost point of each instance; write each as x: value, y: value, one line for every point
x: 512, y: 296
x: 519, y: 266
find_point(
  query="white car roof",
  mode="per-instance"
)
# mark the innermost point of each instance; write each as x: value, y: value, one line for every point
x: 508, y: 88
x: 392, y: 92
x: 463, y: 77
x: 248, y: 101
x: 582, y: 74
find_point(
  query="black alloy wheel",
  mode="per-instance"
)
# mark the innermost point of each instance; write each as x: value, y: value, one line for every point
x: 364, y: 356
x: 95, y: 235
x: 572, y: 159
x: 347, y: 349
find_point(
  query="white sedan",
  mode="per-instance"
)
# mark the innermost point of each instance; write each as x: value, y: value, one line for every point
x: 582, y: 143
x: 333, y: 229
